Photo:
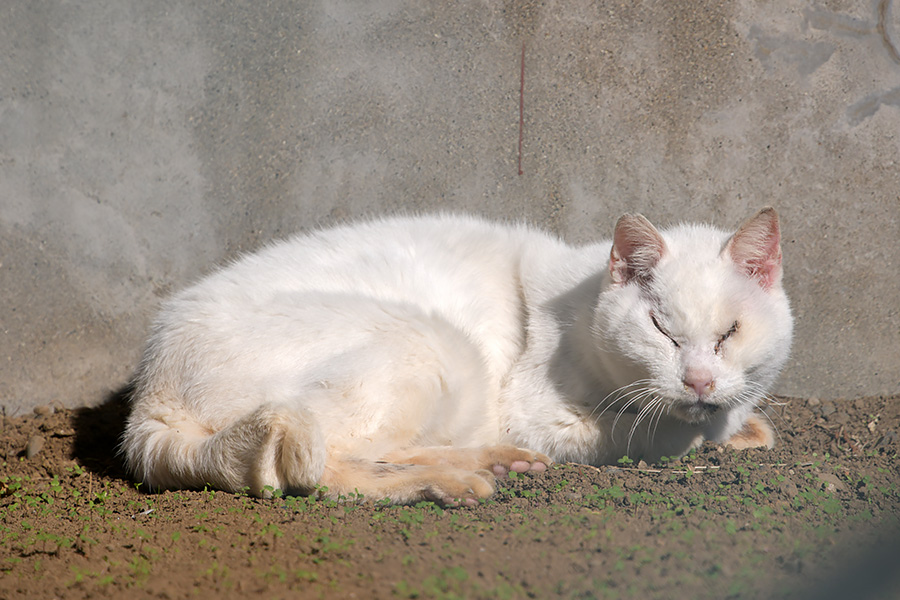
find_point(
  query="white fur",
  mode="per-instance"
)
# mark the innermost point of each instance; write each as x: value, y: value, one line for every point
x: 350, y: 344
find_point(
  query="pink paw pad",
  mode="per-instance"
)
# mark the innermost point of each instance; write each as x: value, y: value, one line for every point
x: 523, y: 466
x: 538, y: 467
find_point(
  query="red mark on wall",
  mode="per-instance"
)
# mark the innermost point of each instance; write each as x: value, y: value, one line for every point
x: 521, y: 107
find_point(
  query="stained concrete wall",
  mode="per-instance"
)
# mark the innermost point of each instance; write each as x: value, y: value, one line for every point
x: 141, y: 142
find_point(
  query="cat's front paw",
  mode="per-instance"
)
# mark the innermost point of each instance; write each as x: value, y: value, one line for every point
x: 503, y: 459
x: 755, y: 433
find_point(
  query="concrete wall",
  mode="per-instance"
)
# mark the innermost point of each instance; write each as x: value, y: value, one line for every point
x: 141, y: 142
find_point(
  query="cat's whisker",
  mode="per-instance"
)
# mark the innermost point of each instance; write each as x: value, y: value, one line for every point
x: 649, y: 409
x: 758, y: 389
x: 634, y: 425
x: 653, y: 408
x: 618, y: 394
x: 643, y: 394
x: 756, y: 395
x: 765, y: 414
x: 770, y: 402
x: 640, y: 396
x: 643, y: 414
x: 733, y: 401
x: 653, y: 421
x: 630, y: 397
x: 663, y: 409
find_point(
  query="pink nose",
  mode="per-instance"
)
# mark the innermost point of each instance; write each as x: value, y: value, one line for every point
x: 699, y: 380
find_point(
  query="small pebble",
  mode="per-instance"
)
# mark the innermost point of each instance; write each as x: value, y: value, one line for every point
x: 43, y: 410
x: 842, y: 418
x: 813, y: 401
x: 789, y: 489
x: 831, y: 482
x: 888, y: 438
x: 34, y: 446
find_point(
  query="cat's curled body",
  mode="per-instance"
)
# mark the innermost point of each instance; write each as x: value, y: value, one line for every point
x: 414, y: 358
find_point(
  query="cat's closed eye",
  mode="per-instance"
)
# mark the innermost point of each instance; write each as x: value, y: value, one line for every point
x: 662, y: 330
x: 724, y: 337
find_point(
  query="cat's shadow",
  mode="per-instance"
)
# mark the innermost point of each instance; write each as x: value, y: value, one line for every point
x: 98, y: 431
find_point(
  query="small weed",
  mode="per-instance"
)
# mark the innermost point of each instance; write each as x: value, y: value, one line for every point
x: 308, y: 576
x: 560, y: 486
x: 75, y: 470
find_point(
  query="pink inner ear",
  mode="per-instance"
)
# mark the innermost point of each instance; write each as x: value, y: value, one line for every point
x: 637, y: 247
x: 756, y: 248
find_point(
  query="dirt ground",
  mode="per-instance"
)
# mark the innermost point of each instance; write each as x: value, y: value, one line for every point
x: 815, y: 518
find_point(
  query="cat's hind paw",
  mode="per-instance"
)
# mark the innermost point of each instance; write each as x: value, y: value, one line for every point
x: 281, y: 448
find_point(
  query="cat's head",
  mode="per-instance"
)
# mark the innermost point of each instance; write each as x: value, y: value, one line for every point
x: 697, y: 315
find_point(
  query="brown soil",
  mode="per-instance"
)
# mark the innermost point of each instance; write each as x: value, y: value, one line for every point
x: 815, y: 518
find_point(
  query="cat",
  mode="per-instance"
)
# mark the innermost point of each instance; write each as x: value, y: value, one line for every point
x: 417, y: 358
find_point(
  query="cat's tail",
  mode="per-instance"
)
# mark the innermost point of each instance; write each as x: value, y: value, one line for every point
x: 274, y: 447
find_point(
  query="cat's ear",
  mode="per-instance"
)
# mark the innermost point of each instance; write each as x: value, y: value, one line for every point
x: 637, y: 247
x: 756, y: 248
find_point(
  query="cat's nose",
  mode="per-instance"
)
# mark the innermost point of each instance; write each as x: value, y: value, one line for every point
x: 699, y: 380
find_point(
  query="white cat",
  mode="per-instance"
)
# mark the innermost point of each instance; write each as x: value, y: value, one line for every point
x: 415, y: 358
